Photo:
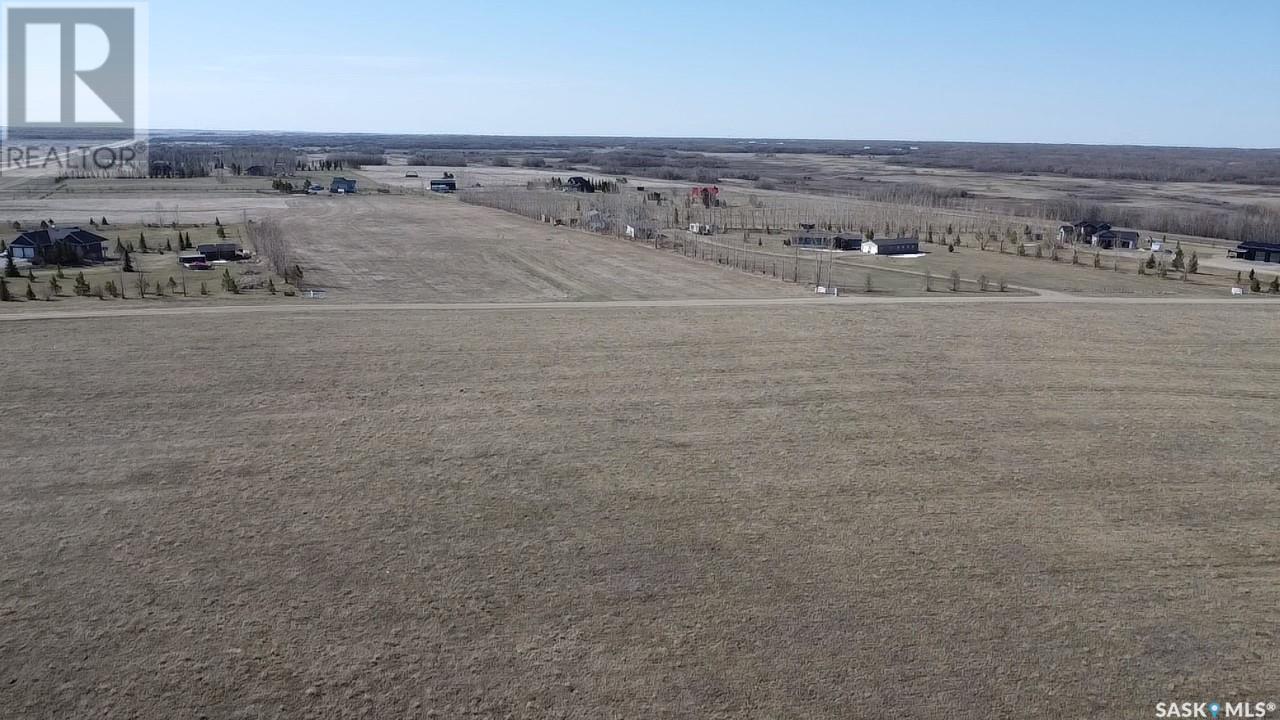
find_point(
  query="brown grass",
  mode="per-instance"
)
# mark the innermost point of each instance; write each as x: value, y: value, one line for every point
x: 907, y: 511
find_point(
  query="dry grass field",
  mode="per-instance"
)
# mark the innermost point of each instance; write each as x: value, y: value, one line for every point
x: 901, y: 511
x: 408, y: 248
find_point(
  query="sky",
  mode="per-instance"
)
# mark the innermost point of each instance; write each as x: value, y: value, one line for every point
x: 1173, y: 72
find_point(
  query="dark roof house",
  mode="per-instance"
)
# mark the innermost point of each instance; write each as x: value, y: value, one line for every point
x: 59, y: 245
x: 577, y: 183
x: 343, y: 185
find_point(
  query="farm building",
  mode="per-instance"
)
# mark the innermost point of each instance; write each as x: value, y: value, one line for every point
x: 1115, y: 239
x: 342, y: 185
x: 444, y: 185
x: 1257, y: 252
x: 221, y: 251
x: 642, y: 231
x: 58, y: 245
x: 891, y: 246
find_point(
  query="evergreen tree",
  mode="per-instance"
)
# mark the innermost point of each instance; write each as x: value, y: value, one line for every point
x: 1178, y: 262
x: 119, y: 246
x: 173, y: 285
x: 104, y: 221
x: 1254, y: 285
x: 142, y: 242
x: 31, y: 294
x: 1275, y: 284
x: 4, y: 291
x: 1151, y: 262
x: 271, y: 286
x: 31, y: 276
x: 1238, y: 280
x: 1193, y: 265
x: 55, y: 286
x: 128, y: 263
x: 1253, y: 275
x: 168, y: 245
x: 10, y: 270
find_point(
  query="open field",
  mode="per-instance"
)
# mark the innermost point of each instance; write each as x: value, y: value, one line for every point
x: 992, y: 510
x: 435, y: 249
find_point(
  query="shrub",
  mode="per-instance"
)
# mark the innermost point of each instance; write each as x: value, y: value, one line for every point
x: 867, y: 285
x: 4, y: 291
x: 983, y: 283
x: 1254, y: 285
x: 111, y: 289
x: 204, y: 289
x: 1004, y: 285
x: 955, y: 281
x: 534, y: 161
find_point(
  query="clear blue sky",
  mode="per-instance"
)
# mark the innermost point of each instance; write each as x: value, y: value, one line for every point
x: 1171, y: 72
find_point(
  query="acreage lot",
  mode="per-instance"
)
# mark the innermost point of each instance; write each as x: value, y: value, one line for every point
x: 437, y: 249
x: 933, y: 511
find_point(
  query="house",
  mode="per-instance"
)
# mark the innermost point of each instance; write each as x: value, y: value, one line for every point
x: 342, y: 185
x: 444, y: 185
x: 811, y: 238
x: 891, y: 246
x: 257, y: 171
x: 1066, y: 233
x: 58, y: 245
x: 221, y: 251
x: 1087, y: 228
x: 642, y: 231
x: 1115, y: 239
x: 1257, y: 252
x: 577, y: 183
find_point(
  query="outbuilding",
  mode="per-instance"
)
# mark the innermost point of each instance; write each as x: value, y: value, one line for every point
x: 221, y: 251
x: 891, y: 246
x: 1257, y: 252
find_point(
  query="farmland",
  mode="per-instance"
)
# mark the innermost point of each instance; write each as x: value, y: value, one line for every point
x: 513, y: 468
x: 662, y: 512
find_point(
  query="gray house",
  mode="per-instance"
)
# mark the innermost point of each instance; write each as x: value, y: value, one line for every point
x: 58, y: 245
